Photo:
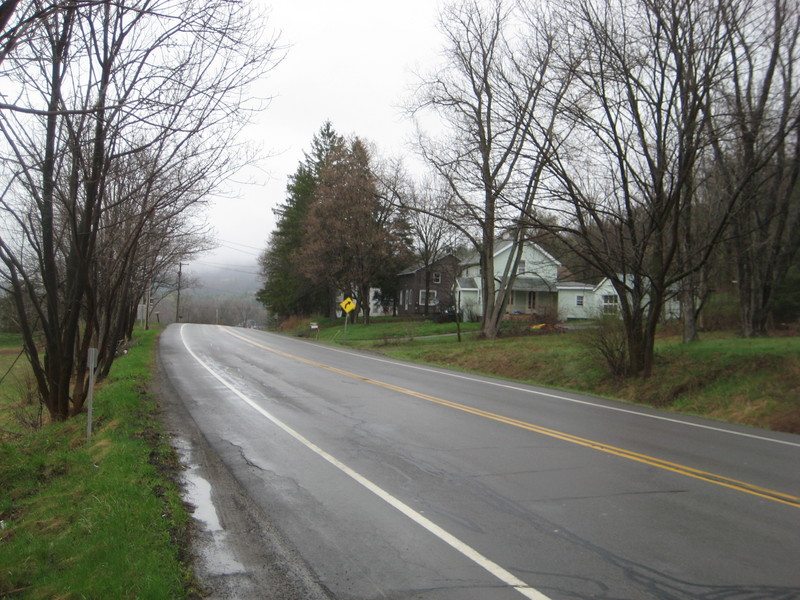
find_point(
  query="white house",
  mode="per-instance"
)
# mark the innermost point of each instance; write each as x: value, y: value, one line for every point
x: 537, y: 289
x: 576, y: 300
x: 585, y: 300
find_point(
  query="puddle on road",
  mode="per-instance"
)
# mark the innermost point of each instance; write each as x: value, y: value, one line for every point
x: 216, y: 555
x: 198, y: 494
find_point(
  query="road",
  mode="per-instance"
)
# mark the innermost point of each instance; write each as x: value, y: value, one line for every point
x: 384, y: 479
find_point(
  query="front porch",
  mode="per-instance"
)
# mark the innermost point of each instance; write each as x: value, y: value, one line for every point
x: 532, y: 296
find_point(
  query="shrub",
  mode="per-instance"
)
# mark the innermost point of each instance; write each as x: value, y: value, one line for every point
x: 606, y: 339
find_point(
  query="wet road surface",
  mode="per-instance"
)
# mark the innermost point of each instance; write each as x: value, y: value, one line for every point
x: 333, y: 473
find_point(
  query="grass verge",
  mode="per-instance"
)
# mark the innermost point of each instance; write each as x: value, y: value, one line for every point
x: 748, y: 381
x: 99, y: 520
x: 380, y: 329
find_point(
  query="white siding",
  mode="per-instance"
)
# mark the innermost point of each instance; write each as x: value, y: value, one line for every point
x: 568, y: 307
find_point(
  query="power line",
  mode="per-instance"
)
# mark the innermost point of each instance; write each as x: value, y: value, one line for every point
x: 242, y: 245
x: 240, y: 250
x: 225, y: 244
x: 226, y: 267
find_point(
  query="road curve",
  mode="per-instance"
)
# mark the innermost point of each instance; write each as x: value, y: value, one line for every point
x: 392, y: 480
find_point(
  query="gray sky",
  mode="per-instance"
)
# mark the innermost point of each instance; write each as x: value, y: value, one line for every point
x: 350, y: 62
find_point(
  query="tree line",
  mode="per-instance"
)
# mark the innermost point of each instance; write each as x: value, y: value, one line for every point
x: 117, y: 120
x: 656, y: 140
x: 645, y: 136
x: 653, y: 142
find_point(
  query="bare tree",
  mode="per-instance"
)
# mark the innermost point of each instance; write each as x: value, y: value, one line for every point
x: 641, y: 76
x: 433, y: 235
x: 149, y: 224
x: 105, y: 83
x: 19, y: 18
x: 757, y: 148
x: 491, y: 94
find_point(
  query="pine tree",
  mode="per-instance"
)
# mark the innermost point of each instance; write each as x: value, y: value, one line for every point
x: 286, y: 290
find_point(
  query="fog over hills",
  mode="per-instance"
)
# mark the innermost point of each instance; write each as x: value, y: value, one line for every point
x: 219, y: 278
x: 218, y: 292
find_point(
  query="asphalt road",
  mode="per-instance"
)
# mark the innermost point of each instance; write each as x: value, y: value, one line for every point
x: 364, y: 477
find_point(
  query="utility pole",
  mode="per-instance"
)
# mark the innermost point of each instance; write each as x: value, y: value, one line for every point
x: 178, y: 303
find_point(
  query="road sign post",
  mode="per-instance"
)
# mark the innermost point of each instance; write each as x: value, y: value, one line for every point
x: 348, y: 304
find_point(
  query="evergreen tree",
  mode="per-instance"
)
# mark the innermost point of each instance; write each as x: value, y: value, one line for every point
x: 353, y: 238
x: 286, y: 290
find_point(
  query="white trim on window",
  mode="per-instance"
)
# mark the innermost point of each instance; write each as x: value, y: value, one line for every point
x: 610, y: 303
x: 431, y: 298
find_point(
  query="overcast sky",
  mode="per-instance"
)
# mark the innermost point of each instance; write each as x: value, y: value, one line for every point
x: 351, y: 62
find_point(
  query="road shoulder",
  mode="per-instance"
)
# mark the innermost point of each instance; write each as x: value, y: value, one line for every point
x: 243, y: 555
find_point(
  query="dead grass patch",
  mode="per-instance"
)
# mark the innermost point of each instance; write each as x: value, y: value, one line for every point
x: 53, y: 525
x: 786, y: 418
x: 99, y: 450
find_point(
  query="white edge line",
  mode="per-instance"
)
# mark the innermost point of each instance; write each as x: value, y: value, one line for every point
x: 487, y: 381
x: 492, y: 567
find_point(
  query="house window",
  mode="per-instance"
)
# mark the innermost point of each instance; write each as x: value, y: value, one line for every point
x: 578, y: 300
x: 521, y: 267
x: 431, y: 297
x: 610, y: 304
x: 436, y: 277
x: 531, y: 300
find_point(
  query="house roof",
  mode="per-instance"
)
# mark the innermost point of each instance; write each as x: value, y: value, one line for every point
x: 501, y: 245
x: 467, y: 283
x: 420, y: 266
x: 531, y: 284
x: 574, y: 285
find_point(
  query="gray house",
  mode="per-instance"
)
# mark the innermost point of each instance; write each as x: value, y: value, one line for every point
x: 428, y: 290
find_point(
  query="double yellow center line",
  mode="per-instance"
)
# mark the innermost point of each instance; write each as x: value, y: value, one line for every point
x: 727, y: 482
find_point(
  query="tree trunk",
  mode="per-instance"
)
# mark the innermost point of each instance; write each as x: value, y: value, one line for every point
x: 489, y: 324
x: 59, y: 337
x: 425, y: 308
x: 365, y: 303
x: 689, y: 312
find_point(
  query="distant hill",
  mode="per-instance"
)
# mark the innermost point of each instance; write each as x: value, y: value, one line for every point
x: 220, y: 293
x: 215, y: 279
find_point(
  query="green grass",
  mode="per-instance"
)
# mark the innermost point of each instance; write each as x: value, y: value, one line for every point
x: 12, y: 366
x: 750, y: 381
x: 99, y: 520
x: 723, y: 377
x: 380, y: 329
